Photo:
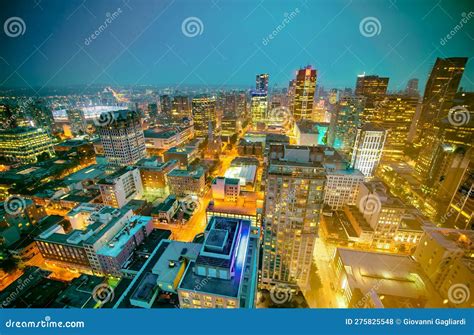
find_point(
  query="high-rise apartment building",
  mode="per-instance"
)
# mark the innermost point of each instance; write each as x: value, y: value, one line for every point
x: 294, y: 197
x: 368, y: 148
x: 121, y: 135
x: 204, y: 111
x: 305, y: 86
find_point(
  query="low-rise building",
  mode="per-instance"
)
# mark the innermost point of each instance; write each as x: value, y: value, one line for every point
x: 164, y: 139
x: 121, y: 186
x: 186, y: 182
x: 166, y: 210
x: 227, y: 189
x: 184, y: 155
x: 380, y: 280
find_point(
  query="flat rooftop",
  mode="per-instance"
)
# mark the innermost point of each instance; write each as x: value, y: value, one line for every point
x: 117, y: 243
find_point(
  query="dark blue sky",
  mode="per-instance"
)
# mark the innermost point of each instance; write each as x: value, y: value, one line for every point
x: 145, y: 43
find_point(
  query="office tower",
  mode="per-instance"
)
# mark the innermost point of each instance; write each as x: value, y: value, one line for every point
x: 153, y: 110
x: 291, y: 95
x: 118, y: 188
x: 25, y: 145
x: 230, y: 126
x: 444, y: 133
x: 345, y: 121
x: 445, y: 255
x: 122, y: 137
x: 165, y: 104
x: 305, y: 86
x: 77, y: 121
x: 381, y: 210
x: 241, y: 105
x: 181, y: 106
x: 412, y: 88
x: 368, y: 147
x: 225, y: 272
x: 440, y: 90
x: 372, y: 87
x: 396, y: 115
x: 294, y: 194
x: 258, y: 106
x: 204, y: 110
x: 261, y: 83
x: 460, y: 211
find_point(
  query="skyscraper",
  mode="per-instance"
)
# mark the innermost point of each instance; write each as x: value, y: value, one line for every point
x: 396, y: 114
x: 165, y: 104
x: 204, y: 111
x: 412, y: 88
x: 372, y: 87
x: 294, y: 197
x: 305, y: 86
x: 440, y: 90
x: 258, y: 106
x: 181, y: 106
x: 261, y: 82
x: 345, y: 121
x: 368, y: 147
x: 122, y: 137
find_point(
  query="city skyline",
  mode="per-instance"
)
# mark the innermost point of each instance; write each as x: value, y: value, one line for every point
x: 227, y: 50
x: 309, y: 155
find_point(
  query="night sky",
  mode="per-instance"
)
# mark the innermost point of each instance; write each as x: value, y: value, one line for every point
x: 144, y: 43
